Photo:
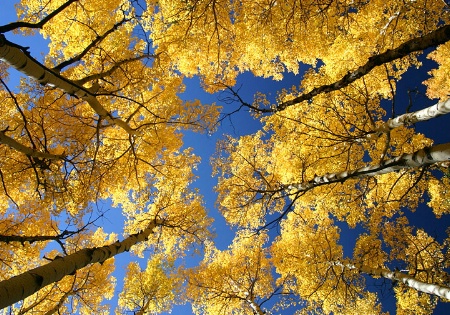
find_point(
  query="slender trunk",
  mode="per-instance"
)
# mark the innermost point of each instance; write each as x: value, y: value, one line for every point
x: 255, y: 307
x: 246, y: 296
x: 143, y: 309
x: 420, y: 158
x: 425, y: 114
x: 17, y: 57
x: 21, y: 286
x: 410, y: 281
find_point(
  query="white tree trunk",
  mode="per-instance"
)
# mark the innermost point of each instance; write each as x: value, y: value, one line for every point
x: 422, y: 157
x: 21, y: 286
x: 247, y: 298
x: 16, y: 57
x: 255, y: 307
x: 425, y: 114
x: 430, y: 288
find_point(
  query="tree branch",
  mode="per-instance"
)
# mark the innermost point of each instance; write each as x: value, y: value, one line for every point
x: 96, y: 41
x: 21, y: 286
x: 420, y: 158
x: 435, y: 38
x: 17, y: 57
x: 14, y: 25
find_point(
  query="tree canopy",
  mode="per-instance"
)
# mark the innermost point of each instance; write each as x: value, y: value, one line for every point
x: 101, y: 115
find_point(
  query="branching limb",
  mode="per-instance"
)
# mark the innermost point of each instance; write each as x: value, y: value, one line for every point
x: 93, y: 44
x: 435, y: 38
x: 15, y: 25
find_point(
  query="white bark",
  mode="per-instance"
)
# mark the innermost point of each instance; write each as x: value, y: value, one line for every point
x: 425, y: 114
x: 430, y: 288
x: 253, y: 305
x: 21, y: 286
x: 422, y: 157
x: 23, y: 62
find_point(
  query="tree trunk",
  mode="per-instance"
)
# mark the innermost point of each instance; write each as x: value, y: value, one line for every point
x: 425, y: 114
x: 255, y: 307
x: 430, y: 288
x: 143, y: 309
x: 21, y: 286
x: 420, y: 158
x: 17, y: 57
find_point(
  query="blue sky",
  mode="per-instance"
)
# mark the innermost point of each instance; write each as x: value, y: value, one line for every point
x: 240, y: 124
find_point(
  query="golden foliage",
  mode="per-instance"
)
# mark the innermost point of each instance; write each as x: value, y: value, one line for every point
x: 312, y: 164
x: 148, y: 291
x: 438, y: 84
x: 231, y: 281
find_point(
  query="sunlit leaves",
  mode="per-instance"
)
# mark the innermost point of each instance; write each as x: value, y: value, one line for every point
x: 440, y: 196
x: 246, y: 174
x: 74, y: 293
x: 438, y: 85
x: 148, y: 291
x: 269, y: 38
x: 70, y: 156
x: 233, y: 281
x: 310, y: 254
x: 62, y: 155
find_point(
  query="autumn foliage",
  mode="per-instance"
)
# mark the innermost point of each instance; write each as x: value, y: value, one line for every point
x: 97, y: 121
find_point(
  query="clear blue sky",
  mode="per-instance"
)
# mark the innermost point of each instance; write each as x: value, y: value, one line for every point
x: 240, y: 124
